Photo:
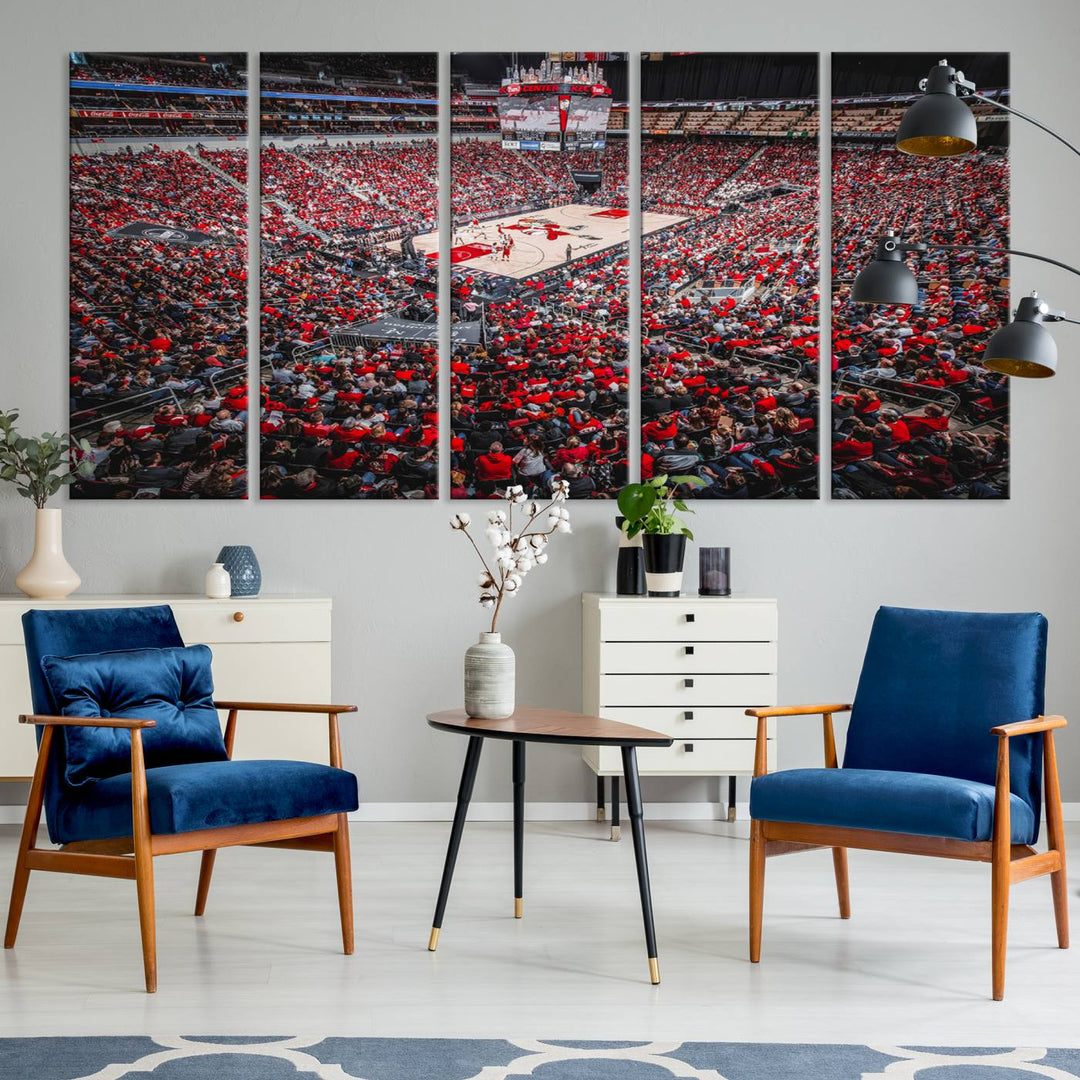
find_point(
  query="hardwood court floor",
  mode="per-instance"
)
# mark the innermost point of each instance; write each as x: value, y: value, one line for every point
x: 912, y: 966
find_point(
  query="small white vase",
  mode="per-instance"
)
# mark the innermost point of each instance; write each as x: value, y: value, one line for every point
x: 48, y: 575
x: 218, y: 582
x: 489, y: 678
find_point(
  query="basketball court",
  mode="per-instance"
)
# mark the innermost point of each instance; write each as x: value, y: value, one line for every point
x: 540, y: 238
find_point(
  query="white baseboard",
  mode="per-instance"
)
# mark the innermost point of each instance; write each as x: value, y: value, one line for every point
x: 542, y: 811
x: 12, y: 814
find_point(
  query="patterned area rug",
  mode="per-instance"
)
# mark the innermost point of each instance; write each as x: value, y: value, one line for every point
x: 281, y: 1058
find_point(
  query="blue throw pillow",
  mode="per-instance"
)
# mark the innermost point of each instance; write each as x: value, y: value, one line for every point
x: 172, y: 686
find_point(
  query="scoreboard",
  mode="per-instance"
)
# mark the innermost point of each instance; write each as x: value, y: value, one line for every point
x: 554, y: 115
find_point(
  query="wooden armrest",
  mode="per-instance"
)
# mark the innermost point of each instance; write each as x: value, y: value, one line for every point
x: 1029, y: 727
x: 279, y: 706
x: 87, y: 721
x: 797, y: 710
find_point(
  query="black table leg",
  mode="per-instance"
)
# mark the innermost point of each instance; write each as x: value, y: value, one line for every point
x: 637, y: 827
x: 519, y: 826
x: 615, y: 800
x: 731, y: 798
x: 468, y: 778
x: 600, y: 799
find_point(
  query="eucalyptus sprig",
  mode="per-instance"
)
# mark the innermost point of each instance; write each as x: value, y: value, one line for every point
x: 39, y: 467
x: 651, y: 507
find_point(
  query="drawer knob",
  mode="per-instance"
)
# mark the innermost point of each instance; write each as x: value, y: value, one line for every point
x: 688, y: 715
x: 688, y: 683
x: 688, y: 747
x: 238, y: 616
x: 689, y: 616
x: 689, y: 650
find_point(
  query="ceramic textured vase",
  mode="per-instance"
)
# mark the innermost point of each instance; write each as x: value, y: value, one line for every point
x: 489, y: 678
x: 664, y: 555
x: 218, y: 582
x: 630, y: 569
x: 243, y: 568
x: 48, y: 575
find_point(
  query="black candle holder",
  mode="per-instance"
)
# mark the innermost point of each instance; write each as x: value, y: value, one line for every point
x: 714, y: 571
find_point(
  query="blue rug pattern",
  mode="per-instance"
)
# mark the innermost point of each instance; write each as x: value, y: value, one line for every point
x: 290, y: 1058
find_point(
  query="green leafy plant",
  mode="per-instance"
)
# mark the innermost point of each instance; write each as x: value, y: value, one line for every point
x: 39, y: 467
x: 652, y: 507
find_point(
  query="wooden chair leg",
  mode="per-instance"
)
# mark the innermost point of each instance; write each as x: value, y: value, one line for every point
x: 757, y: 888
x: 144, y: 862
x: 1055, y: 829
x: 343, y: 867
x: 27, y: 841
x: 206, y: 871
x: 839, y: 858
x: 1000, y: 871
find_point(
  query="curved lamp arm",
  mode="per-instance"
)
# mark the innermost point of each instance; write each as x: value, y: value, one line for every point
x: 1023, y: 116
x: 892, y: 244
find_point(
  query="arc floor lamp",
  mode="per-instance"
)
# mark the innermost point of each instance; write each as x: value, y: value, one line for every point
x: 940, y: 124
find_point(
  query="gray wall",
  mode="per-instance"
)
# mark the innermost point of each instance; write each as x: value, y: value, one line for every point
x: 402, y: 583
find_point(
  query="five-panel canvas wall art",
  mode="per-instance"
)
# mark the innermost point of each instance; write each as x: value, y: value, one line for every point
x: 723, y: 218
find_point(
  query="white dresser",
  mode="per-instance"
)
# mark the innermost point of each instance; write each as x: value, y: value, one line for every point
x: 686, y: 666
x: 266, y: 648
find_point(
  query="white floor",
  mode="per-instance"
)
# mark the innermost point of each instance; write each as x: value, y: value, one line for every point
x: 911, y: 966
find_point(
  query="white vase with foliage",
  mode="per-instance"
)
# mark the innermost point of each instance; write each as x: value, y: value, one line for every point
x: 490, y: 673
x: 39, y: 467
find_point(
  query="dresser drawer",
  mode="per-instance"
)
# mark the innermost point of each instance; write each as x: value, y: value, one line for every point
x: 690, y: 657
x: 691, y: 723
x: 261, y: 620
x: 709, y: 757
x: 688, y: 620
x: 687, y: 691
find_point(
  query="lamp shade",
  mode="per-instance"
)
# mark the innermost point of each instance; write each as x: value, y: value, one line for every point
x: 1024, y: 348
x: 937, y: 125
x: 885, y: 281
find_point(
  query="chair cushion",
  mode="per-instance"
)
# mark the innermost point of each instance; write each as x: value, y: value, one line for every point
x: 207, y: 795
x: 171, y: 686
x: 933, y: 683
x: 878, y: 799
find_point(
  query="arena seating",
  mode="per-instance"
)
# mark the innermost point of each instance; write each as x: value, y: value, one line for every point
x: 158, y: 379
x: 915, y: 415
x: 730, y: 314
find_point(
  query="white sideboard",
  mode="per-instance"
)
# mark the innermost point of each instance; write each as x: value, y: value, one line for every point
x: 266, y: 648
x: 687, y: 666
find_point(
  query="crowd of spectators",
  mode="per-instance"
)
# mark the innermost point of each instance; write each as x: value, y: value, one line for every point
x: 160, y: 70
x: 915, y: 415
x: 345, y: 415
x: 158, y: 378
x: 730, y: 352
x: 544, y: 394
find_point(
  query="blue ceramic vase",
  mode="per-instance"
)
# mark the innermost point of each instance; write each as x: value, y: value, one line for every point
x: 243, y: 568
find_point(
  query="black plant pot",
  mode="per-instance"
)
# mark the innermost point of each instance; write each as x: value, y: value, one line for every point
x: 664, y: 555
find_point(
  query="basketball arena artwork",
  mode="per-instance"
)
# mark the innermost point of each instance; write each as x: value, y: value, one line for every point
x: 915, y: 415
x: 158, y: 272
x: 349, y: 329
x: 539, y: 258
x: 730, y: 284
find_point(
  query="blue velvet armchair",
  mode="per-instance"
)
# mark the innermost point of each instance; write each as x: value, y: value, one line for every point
x: 947, y: 751
x: 132, y: 763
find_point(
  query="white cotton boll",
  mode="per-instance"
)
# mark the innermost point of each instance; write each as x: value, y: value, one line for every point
x: 536, y: 542
x: 563, y: 526
x: 485, y: 580
x: 541, y: 559
x: 496, y: 517
x: 494, y: 536
x: 553, y: 518
x: 487, y: 601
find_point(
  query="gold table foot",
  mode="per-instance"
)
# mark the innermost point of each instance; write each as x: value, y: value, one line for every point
x: 616, y: 832
x: 601, y: 814
x: 519, y: 907
x: 433, y: 940
x: 654, y: 971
